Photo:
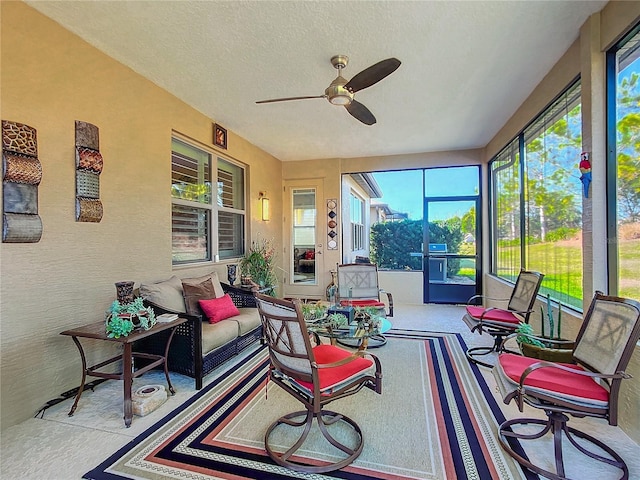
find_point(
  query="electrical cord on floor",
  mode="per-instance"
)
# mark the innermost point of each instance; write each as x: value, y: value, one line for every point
x: 68, y: 394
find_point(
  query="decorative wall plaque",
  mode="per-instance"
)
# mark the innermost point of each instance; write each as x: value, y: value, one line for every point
x: 89, y: 163
x: 21, y: 228
x: 19, y: 138
x: 88, y: 210
x: 21, y: 175
x: 21, y: 169
x: 332, y: 224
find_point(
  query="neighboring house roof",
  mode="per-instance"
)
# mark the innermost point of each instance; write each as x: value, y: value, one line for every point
x: 368, y: 184
x: 389, y: 213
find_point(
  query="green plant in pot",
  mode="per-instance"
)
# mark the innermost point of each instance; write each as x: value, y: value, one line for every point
x: 549, y: 347
x: 337, y: 320
x: 122, y: 319
x: 258, y: 265
x: 313, y: 311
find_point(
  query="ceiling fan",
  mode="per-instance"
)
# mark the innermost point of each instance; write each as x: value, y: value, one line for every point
x: 341, y: 91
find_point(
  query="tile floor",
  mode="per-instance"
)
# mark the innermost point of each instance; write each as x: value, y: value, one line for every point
x: 59, y: 447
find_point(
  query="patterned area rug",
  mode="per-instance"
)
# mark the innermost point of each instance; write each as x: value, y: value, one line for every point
x: 436, y: 419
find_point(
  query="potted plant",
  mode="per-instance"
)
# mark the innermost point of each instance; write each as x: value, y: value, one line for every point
x: 545, y: 347
x: 258, y: 266
x: 336, y: 321
x: 123, y: 318
x: 313, y: 311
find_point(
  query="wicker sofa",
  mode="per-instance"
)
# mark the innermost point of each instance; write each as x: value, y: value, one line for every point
x: 199, y: 346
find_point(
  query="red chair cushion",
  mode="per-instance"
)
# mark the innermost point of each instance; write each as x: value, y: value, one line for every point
x: 334, y: 376
x: 362, y: 303
x: 217, y: 309
x: 553, y: 379
x: 495, y: 314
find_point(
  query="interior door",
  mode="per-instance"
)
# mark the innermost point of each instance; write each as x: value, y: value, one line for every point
x: 304, y: 240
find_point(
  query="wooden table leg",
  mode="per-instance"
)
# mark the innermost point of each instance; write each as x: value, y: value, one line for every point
x: 84, y: 376
x: 127, y: 376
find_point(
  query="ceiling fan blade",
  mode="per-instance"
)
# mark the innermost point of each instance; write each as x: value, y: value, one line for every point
x: 362, y: 113
x: 289, y: 98
x: 373, y: 74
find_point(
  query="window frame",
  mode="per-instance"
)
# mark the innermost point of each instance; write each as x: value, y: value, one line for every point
x: 215, y: 207
x: 357, y: 227
x: 516, y: 150
x: 613, y: 252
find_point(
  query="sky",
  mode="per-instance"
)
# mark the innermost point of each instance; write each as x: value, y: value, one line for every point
x: 402, y: 190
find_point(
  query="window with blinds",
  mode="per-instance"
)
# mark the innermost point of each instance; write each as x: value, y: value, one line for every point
x: 506, y: 190
x: 537, y: 201
x: 357, y: 223
x: 204, y: 227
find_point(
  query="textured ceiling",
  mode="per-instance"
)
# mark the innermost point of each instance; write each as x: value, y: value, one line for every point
x: 466, y: 66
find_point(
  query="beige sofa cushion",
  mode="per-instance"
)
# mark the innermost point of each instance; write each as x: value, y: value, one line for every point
x: 167, y: 294
x: 215, y: 335
x: 248, y: 320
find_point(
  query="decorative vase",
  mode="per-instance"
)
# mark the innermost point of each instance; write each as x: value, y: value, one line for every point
x: 124, y: 292
x: 332, y: 289
x: 232, y: 271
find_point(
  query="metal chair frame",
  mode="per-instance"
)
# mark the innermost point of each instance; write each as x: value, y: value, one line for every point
x: 521, y: 302
x: 594, y: 331
x: 293, y: 363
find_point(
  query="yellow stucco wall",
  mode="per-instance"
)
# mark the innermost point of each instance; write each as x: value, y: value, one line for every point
x: 50, y: 78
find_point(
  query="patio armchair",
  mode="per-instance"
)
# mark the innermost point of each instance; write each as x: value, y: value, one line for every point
x: 316, y: 376
x: 588, y: 388
x: 501, y: 322
x: 358, y: 287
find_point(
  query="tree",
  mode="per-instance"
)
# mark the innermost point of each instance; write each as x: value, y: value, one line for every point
x: 628, y: 133
x: 393, y: 242
x: 551, y: 194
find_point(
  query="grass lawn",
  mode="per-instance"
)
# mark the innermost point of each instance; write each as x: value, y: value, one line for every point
x: 561, y: 263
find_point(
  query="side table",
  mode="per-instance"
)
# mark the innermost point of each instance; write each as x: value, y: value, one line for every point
x: 97, y: 331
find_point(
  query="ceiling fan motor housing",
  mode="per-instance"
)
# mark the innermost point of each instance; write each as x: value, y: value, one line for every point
x: 337, y: 94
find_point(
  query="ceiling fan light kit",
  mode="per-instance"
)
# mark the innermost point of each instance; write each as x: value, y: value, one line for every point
x: 341, y: 92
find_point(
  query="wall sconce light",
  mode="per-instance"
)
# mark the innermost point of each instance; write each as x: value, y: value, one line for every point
x: 264, y: 205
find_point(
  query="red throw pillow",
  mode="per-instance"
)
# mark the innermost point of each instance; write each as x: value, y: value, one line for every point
x: 217, y: 309
x: 310, y: 255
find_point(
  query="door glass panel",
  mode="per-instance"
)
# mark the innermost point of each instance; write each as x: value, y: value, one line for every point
x: 304, y: 236
x: 627, y: 179
x: 452, y: 227
x: 438, y: 182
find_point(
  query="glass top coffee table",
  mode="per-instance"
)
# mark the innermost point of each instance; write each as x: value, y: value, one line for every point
x: 352, y: 336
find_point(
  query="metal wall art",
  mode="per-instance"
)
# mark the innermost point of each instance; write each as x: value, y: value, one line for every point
x: 332, y: 224
x: 21, y: 175
x: 89, y: 163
